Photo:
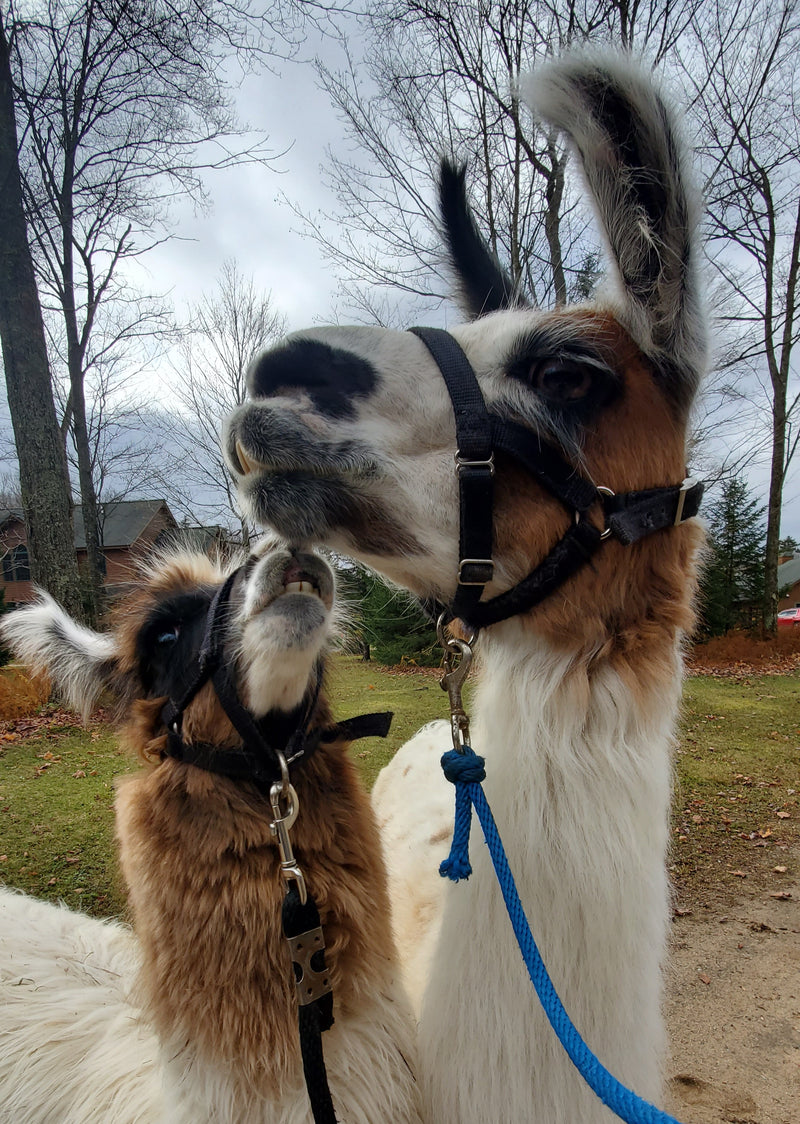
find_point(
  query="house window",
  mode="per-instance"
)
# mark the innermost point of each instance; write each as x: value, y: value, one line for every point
x: 16, y: 567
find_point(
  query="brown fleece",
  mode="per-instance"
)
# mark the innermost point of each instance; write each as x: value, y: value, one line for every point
x: 623, y: 603
x: 202, y: 870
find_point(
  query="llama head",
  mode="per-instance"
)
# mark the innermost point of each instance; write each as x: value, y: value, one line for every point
x: 349, y: 435
x: 279, y: 618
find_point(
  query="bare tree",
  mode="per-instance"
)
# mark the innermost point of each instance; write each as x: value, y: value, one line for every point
x: 10, y: 492
x: 123, y: 104
x: 743, y: 68
x: 439, y: 77
x: 226, y: 331
x: 44, y: 482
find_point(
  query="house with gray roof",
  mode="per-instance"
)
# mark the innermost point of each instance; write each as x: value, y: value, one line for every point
x: 789, y: 579
x: 128, y: 529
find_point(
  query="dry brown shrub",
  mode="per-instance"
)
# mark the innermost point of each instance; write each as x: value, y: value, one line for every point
x: 21, y: 695
x: 743, y: 647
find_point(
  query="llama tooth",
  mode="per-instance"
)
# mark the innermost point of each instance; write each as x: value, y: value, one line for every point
x: 246, y: 464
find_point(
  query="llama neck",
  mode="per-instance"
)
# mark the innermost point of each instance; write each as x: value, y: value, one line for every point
x: 574, y: 716
x: 578, y: 775
x: 203, y: 874
x: 578, y: 755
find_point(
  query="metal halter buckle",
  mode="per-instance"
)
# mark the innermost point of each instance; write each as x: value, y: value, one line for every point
x: 463, y: 462
x: 687, y: 485
x: 481, y: 572
x: 601, y: 488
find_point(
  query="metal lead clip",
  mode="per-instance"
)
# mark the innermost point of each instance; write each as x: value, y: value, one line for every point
x: 457, y: 662
x: 290, y: 871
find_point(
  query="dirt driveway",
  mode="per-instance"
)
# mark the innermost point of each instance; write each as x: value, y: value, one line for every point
x: 733, y: 1009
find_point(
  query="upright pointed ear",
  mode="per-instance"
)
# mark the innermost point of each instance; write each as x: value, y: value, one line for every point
x: 635, y: 166
x: 79, y: 662
x: 483, y: 284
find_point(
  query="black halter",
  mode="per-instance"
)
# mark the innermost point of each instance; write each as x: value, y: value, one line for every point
x: 479, y: 434
x: 263, y: 739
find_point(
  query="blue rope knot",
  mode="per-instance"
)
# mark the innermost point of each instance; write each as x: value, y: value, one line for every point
x: 462, y: 768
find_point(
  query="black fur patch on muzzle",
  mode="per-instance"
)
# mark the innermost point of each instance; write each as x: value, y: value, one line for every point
x: 332, y: 377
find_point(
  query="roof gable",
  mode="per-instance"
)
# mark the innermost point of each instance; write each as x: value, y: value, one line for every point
x: 789, y: 572
x: 123, y: 522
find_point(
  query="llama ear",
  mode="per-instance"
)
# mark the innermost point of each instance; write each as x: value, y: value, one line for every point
x: 483, y: 284
x: 79, y: 662
x: 632, y: 158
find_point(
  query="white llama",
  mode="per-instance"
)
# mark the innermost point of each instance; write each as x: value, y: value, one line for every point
x: 195, y: 1018
x: 349, y: 439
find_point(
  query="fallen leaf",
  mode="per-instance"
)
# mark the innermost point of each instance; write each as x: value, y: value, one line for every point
x: 782, y: 895
x: 783, y: 815
x: 80, y: 773
x: 3, y: 858
x: 739, y: 873
x: 703, y: 978
x: 51, y: 882
x: 779, y: 869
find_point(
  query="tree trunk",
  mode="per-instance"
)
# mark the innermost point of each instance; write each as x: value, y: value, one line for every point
x: 554, y: 192
x: 95, y: 561
x: 44, y: 482
x: 770, y: 604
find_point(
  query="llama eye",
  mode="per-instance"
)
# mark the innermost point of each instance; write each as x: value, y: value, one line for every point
x: 167, y: 636
x: 560, y: 382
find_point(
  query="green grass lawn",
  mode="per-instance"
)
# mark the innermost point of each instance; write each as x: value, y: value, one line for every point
x: 56, y: 817
x: 735, y: 814
x: 736, y: 811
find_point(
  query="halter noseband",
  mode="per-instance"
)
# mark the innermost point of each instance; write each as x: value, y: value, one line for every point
x: 259, y: 760
x: 480, y: 433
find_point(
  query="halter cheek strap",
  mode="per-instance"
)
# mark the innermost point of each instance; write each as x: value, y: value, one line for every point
x: 479, y: 434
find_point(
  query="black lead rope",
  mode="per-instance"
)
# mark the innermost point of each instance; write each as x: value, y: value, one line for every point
x: 479, y: 434
x: 303, y: 932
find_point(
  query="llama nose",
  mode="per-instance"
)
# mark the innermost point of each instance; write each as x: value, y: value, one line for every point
x: 332, y: 377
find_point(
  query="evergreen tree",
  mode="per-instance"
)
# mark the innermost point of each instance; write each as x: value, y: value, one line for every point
x: 733, y: 580
x: 388, y: 623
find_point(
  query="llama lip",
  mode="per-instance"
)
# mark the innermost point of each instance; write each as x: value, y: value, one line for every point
x: 300, y: 576
x: 262, y: 439
x: 298, y: 580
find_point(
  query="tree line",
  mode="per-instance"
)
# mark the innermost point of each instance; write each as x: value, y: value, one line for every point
x: 110, y: 109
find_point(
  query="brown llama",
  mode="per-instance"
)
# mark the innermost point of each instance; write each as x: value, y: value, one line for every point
x: 194, y: 1017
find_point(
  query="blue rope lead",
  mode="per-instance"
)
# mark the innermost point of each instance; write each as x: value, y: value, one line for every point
x: 622, y: 1101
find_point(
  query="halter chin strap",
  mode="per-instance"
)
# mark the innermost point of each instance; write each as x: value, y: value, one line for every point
x: 479, y: 434
x: 264, y: 739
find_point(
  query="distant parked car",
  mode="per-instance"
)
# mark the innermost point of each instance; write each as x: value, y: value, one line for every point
x: 789, y: 617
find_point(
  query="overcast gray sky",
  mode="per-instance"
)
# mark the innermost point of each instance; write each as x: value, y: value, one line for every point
x: 249, y: 222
